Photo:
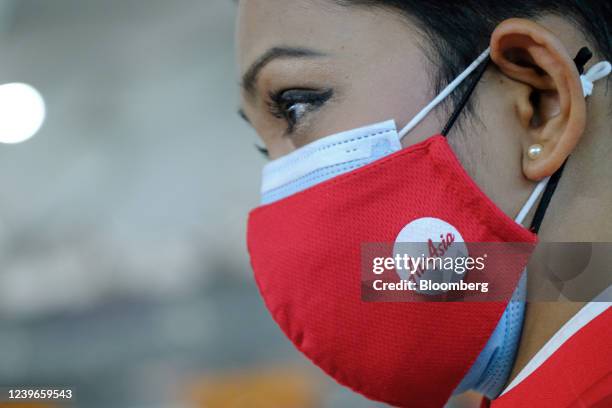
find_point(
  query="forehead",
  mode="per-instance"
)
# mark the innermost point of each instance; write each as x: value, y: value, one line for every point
x: 319, y: 24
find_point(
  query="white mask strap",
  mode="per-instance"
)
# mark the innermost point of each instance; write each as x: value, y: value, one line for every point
x: 531, y: 201
x: 444, y: 94
x: 595, y: 73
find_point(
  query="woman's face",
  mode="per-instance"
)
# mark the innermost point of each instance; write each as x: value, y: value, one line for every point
x: 312, y: 68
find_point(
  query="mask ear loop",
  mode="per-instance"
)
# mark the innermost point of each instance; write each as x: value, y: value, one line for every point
x: 549, y: 184
x: 466, y: 97
x: 542, y: 185
x: 598, y: 71
x: 445, y: 93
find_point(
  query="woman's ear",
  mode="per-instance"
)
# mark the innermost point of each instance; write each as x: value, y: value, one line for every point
x: 551, y: 107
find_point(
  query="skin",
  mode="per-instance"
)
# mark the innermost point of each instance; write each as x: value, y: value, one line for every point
x: 377, y: 72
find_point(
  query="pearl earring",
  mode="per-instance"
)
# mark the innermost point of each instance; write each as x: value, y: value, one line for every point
x: 535, y: 151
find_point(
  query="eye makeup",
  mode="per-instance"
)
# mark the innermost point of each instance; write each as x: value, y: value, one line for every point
x: 292, y: 105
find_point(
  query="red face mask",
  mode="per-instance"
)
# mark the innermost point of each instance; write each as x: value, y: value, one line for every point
x: 305, y: 252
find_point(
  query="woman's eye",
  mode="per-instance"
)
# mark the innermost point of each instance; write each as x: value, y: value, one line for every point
x: 292, y: 105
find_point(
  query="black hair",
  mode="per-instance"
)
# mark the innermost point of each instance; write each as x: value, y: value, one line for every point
x: 458, y: 31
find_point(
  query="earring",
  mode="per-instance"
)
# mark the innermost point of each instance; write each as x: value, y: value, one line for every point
x: 535, y: 151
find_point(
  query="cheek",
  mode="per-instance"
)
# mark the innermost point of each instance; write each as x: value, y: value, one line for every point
x: 276, y: 144
x: 279, y: 148
x: 373, y: 97
x: 268, y: 132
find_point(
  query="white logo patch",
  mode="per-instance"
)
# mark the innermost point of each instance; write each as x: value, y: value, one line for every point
x: 428, y: 242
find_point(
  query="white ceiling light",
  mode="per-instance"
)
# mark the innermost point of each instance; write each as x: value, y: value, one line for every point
x: 22, y: 112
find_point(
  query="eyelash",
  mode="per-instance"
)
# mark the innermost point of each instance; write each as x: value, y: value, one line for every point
x: 285, y: 104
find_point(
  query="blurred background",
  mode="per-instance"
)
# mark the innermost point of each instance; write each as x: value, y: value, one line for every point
x: 123, y: 268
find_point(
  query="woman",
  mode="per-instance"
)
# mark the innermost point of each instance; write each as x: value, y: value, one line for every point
x: 523, y: 96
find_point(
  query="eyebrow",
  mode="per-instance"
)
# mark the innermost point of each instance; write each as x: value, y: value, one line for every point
x: 250, y: 77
